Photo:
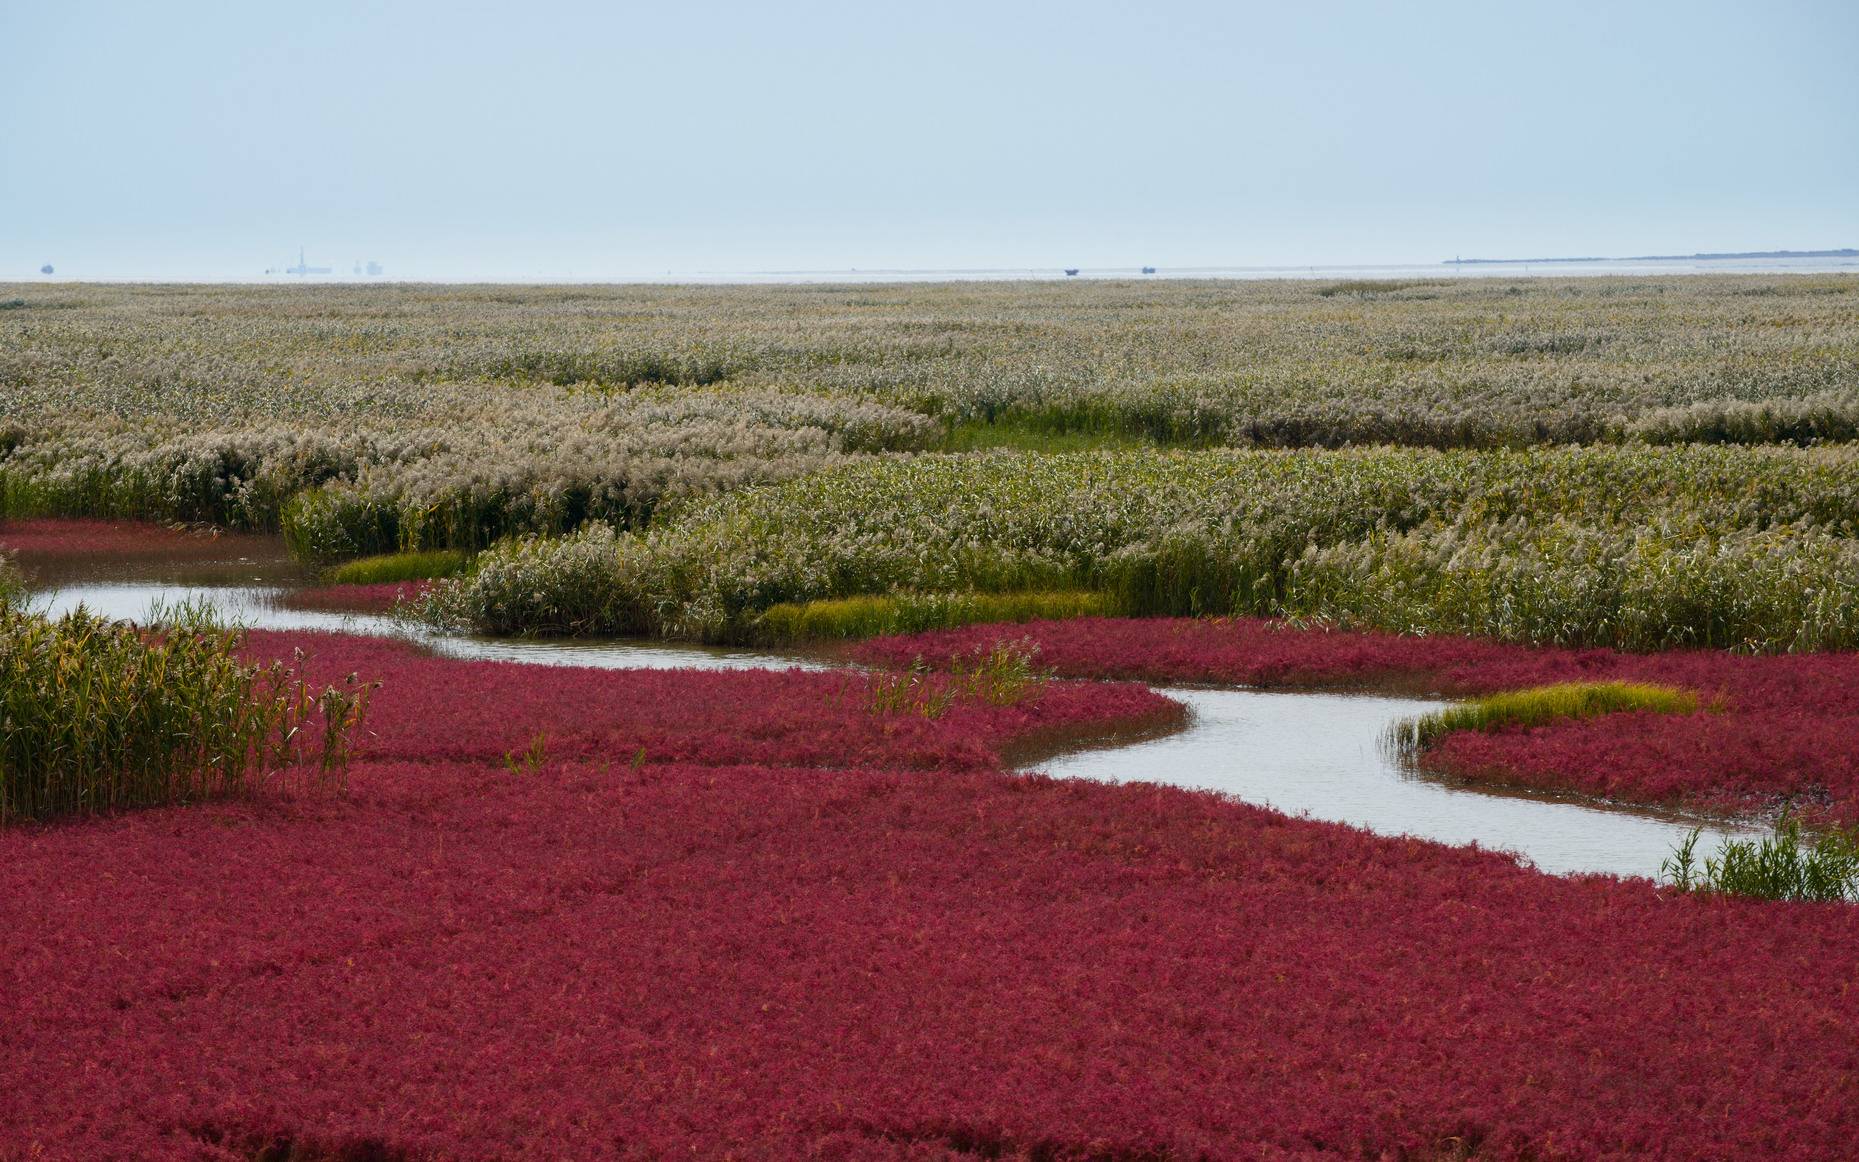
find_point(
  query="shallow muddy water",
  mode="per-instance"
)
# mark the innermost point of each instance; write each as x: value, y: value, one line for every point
x: 1313, y: 754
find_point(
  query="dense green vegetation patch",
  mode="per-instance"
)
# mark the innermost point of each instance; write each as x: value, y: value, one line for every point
x: 1784, y: 865
x: 98, y: 716
x: 1645, y: 549
x: 391, y: 567
x: 874, y: 615
x: 1541, y: 705
x: 1028, y: 436
x: 607, y: 367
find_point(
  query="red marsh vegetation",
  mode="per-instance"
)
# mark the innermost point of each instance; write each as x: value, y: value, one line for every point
x: 443, y: 709
x: 64, y: 550
x: 60, y: 537
x: 797, y: 928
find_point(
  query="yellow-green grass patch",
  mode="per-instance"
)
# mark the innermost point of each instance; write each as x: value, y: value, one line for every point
x: 391, y: 567
x: 871, y: 616
x: 1543, y: 704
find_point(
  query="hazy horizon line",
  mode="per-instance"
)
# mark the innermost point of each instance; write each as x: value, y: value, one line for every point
x: 1829, y: 261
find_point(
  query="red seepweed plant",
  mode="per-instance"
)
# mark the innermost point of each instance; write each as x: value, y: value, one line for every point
x: 440, y: 709
x: 798, y: 928
x: 79, y: 536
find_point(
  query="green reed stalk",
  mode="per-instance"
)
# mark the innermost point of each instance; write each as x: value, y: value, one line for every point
x: 1779, y: 866
x: 97, y: 716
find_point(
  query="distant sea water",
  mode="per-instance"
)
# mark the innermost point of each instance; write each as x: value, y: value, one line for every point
x: 1430, y: 271
x: 1433, y: 270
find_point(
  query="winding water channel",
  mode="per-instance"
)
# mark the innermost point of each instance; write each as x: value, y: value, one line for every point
x: 1320, y: 755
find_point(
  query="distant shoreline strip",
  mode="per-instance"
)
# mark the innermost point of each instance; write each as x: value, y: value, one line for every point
x: 1847, y: 252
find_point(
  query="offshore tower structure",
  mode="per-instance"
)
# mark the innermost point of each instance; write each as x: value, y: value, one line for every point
x: 303, y: 267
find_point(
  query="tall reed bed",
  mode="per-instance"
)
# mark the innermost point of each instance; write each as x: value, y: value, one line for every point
x: 97, y: 715
x: 368, y: 420
x: 1444, y: 363
x: 1728, y: 547
x: 12, y: 584
x: 366, y: 482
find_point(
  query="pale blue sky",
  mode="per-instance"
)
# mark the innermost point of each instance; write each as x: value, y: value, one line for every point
x: 188, y: 139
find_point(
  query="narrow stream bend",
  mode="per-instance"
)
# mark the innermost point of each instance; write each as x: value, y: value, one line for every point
x: 1323, y: 755
x: 1320, y: 755
x: 257, y: 607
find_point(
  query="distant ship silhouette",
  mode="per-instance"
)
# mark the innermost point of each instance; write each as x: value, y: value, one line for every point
x: 303, y: 267
x: 1070, y: 270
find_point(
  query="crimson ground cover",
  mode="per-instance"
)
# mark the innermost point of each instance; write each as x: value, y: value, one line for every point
x: 116, y: 539
x: 443, y: 709
x: 735, y: 950
x: 1787, y: 730
x: 458, y: 962
x: 59, y: 551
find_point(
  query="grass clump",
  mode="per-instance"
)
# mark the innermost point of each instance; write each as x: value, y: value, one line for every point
x: 388, y: 568
x: 98, y: 715
x: 1543, y: 704
x: 1000, y: 675
x: 531, y: 760
x: 1003, y: 674
x: 874, y: 616
x: 1776, y: 867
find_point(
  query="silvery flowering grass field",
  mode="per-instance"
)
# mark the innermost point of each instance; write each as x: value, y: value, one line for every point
x: 1745, y: 548
x: 718, y: 451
